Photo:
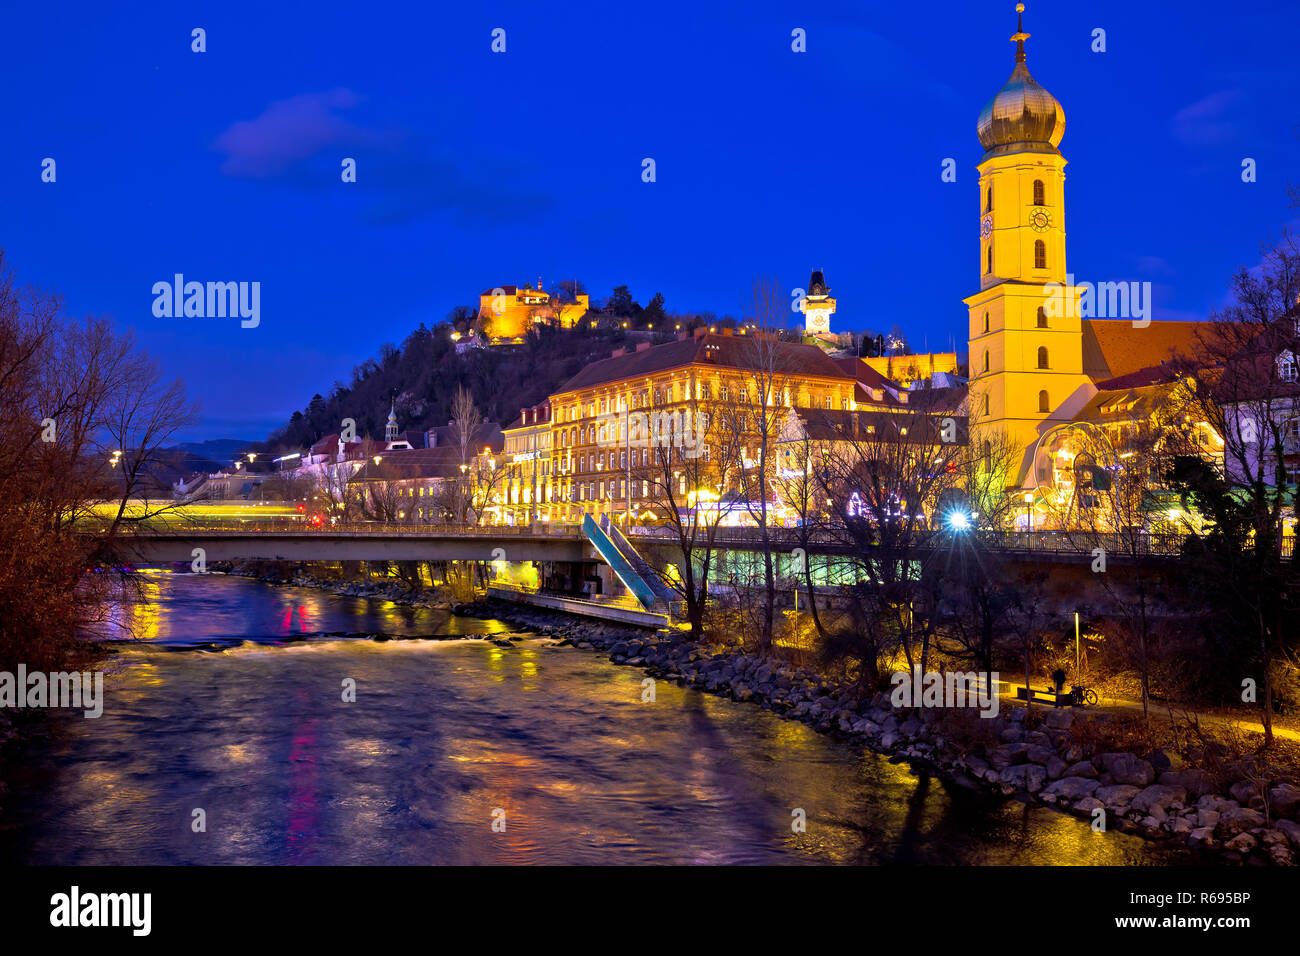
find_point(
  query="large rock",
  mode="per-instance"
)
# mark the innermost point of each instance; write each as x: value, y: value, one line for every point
x: 1247, y: 794
x: 1036, y: 753
x: 1156, y: 799
x: 1083, y: 768
x: 1072, y: 788
x: 1059, y: 719
x: 1242, y: 843
x: 1055, y: 767
x: 1292, y: 831
x: 1029, y: 777
x: 1116, y: 795
x: 1201, y: 837
x: 1284, y: 800
x: 1004, y: 756
x: 1195, y: 782
x: 1236, y: 819
x: 1127, y: 769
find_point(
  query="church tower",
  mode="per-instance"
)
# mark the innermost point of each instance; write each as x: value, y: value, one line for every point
x: 1026, y: 340
x: 390, y: 427
x: 817, y: 306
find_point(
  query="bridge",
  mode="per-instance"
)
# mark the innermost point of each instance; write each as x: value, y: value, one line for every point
x: 379, y: 541
x: 366, y: 541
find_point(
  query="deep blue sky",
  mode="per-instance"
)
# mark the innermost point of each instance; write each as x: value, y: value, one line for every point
x: 478, y: 169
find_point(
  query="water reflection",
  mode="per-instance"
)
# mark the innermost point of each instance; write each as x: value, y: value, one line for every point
x: 442, y: 734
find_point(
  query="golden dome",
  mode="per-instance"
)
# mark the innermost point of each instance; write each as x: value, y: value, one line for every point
x: 1022, y: 117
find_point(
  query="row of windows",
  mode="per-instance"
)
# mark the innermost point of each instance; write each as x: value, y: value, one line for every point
x: 1040, y: 256
x: 1040, y: 194
x: 681, y: 392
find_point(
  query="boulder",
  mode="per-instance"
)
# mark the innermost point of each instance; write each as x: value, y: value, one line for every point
x: 1201, y: 837
x: 1083, y: 768
x: 1088, y: 806
x: 1059, y: 719
x: 1236, y: 819
x: 1292, y: 831
x: 1117, y: 794
x: 1284, y: 800
x: 1127, y: 769
x: 1055, y: 768
x: 1242, y: 843
x: 1207, y: 818
x: 1247, y: 794
x: 1196, y: 782
x: 1036, y: 753
x: 1072, y: 788
x: 1158, y: 797
x: 1026, y: 776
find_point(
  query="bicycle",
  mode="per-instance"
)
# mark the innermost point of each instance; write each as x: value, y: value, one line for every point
x: 1083, y: 696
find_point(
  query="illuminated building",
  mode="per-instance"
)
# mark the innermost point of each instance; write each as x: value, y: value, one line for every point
x: 508, y: 312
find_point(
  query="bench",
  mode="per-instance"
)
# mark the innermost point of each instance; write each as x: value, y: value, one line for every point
x: 1046, y: 697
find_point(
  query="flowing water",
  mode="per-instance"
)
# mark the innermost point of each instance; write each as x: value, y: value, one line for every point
x: 232, y: 703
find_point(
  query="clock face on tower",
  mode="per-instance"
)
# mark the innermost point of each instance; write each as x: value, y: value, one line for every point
x: 1039, y: 220
x: 986, y: 227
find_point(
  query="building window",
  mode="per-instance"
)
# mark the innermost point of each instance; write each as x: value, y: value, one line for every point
x: 1040, y: 254
x: 986, y: 360
x: 986, y: 404
x: 1038, y: 193
x: 988, y: 202
x: 988, y: 259
x: 1042, y: 402
x: 1042, y: 356
x: 1286, y: 368
x: 1042, y: 317
x: 986, y: 321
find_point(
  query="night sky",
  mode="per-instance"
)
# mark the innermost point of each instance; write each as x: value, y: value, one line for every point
x: 478, y: 169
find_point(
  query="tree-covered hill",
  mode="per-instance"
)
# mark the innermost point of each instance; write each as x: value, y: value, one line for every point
x: 424, y: 373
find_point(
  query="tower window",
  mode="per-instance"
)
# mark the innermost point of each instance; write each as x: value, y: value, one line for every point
x: 986, y: 404
x: 1043, y: 405
x: 1042, y: 317
x: 1038, y: 193
x: 1042, y: 356
x: 988, y: 203
x: 986, y: 321
x: 1040, y: 254
x: 988, y: 259
x: 986, y: 360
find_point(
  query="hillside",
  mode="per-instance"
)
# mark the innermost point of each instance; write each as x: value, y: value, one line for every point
x: 424, y: 373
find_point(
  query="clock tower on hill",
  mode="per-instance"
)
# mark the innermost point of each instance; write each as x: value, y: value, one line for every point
x: 817, y: 306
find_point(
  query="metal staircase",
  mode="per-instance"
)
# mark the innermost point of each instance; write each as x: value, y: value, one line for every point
x: 637, y: 576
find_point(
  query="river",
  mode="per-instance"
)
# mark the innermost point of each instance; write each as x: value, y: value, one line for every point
x: 230, y: 702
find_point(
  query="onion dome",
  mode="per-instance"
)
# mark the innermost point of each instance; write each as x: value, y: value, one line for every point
x: 1022, y: 117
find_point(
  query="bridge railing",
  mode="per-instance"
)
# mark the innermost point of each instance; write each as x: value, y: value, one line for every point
x: 363, y: 528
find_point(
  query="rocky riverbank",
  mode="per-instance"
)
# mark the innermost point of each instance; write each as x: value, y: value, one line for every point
x: 1043, y: 757
x: 1048, y: 757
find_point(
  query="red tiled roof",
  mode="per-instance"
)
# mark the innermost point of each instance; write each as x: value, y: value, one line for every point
x: 1113, y: 347
x: 723, y: 351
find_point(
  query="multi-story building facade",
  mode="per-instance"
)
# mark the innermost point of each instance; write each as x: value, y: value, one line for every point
x: 605, y: 417
x: 526, y: 491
